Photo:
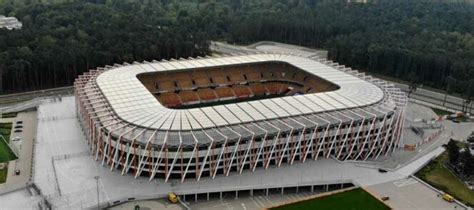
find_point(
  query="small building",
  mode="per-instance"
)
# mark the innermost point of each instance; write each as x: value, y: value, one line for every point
x: 10, y: 23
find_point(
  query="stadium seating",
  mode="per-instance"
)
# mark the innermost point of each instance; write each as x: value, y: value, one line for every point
x: 169, y: 99
x: 165, y: 86
x: 300, y: 77
x: 223, y: 83
x: 273, y: 87
x: 218, y: 78
x: 224, y: 92
x: 236, y: 77
x: 188, y: 96
x: 241, y: 91
x: 251, y: 74
x: 201, y: 79
x: 207, y: 94
x: 258, y: 89
x: 184, y: 80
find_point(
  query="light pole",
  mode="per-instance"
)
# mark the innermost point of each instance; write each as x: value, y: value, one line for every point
x: 97, y: 183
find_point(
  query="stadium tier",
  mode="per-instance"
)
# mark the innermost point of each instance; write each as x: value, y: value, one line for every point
x: 213, y: 116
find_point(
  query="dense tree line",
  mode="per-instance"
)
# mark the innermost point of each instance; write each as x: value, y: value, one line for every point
x: 60, y: 41
x: 430, y: 43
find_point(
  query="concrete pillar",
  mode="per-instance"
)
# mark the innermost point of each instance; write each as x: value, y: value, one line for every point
x: 266, y: 192
x: 196, y: 197
x: 297, y: 189
x: 236, y: 194
x: 282, y: 190
x: 342, y: 185
x: 251, y: 192
x: 207, y: 194
x: 184, y: 198
x: 312, y: 188
x: 326, y: 187
x: 220, y: 195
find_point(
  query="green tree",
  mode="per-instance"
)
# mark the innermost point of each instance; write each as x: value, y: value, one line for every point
x: 453, y: 152
x: 467, y: 162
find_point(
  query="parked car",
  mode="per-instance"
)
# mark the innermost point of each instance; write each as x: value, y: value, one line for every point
x: 173, y: 198
x: 448, y: 197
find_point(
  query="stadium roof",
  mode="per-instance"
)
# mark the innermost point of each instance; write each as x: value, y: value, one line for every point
x: 133, y: 103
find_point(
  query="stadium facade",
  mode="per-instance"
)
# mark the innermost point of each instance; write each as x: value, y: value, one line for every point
x: 213, y: 116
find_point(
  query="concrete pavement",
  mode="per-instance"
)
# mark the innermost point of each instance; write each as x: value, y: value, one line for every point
x: 409, y: 194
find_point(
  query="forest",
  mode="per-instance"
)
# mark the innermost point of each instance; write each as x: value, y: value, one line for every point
x: 429, y: 43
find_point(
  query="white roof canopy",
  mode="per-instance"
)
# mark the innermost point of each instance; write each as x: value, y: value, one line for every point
x: 133, y: 103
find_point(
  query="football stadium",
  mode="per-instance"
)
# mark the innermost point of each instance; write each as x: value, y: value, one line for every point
x: 213, y: 116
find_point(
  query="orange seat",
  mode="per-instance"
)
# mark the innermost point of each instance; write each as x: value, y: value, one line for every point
x: 218, y: 77
x: 206, y: 94
x: 166, y: 86
x: 188, y: 96
x: 253, y: 76
x: 258, y: 89
x: 201, y: 79
x: 275, y: 88
x: 272, y: 87
x: 183, y: 80
x: 169, y: 99
x: 185, y: 84
x: 224, y: 92
x: 236, y: 77
x: 219, y: 80
x: 241, y: 91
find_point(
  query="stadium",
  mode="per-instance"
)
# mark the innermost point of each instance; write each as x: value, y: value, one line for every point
x: 213, y: 116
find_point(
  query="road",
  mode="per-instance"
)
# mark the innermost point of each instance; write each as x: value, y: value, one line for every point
x: 10, y: 99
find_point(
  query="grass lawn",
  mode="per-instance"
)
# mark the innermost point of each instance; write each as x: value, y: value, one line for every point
x: 356, y: 199
x: 438, y: 176
x: 441, y: 112
x: 5, y: 153
x: 3, y: 175
x: 5, y: 130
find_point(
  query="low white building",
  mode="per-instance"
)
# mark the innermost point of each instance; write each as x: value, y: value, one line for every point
x: 10, y: 23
